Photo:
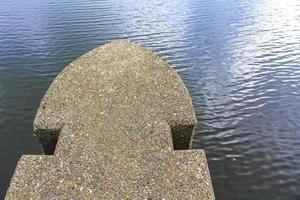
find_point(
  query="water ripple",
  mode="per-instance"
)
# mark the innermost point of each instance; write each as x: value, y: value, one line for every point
x: 239, y: 59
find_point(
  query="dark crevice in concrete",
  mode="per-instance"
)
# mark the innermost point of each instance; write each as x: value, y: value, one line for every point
x: 48, y: 138
x: 182, y: 136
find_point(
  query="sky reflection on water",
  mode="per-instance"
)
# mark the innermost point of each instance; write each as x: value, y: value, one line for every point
x: 239, y: 59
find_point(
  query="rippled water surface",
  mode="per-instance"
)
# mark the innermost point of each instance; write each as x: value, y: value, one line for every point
x: 239, y: 59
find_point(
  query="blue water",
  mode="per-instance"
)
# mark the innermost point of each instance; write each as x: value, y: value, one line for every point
x: 239, y: 59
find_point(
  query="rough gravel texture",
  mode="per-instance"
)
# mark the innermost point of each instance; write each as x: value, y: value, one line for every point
x: 117, y: 112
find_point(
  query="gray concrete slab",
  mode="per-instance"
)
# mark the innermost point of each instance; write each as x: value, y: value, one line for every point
x: 112, y: 120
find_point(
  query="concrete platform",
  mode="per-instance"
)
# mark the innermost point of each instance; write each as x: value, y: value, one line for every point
x: 109, y: 124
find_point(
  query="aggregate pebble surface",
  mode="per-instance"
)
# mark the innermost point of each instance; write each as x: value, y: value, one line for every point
x: 117, y: 112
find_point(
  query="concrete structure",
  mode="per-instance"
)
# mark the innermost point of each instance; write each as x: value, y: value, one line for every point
x: 109, y: 123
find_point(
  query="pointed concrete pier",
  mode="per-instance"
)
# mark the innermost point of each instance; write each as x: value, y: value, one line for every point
x: 115, y: 124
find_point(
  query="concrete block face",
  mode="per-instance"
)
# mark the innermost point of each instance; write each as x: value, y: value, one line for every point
x: 116, y: 123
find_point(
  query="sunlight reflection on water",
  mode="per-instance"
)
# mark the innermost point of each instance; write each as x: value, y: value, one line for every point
x: 239, y: 59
